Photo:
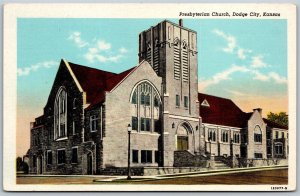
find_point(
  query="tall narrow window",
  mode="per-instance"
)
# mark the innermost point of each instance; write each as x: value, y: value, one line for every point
x: 156, y: 102
x: 134, y: 98
x: 177, y: 100
x: 278, y: 148
x: 74, y: 103
x: 177, y: 66
x: 74, y: 155
x: 74, y: 127
x: 147, y: 99
x: 185, y: 62
x: 94, y: 123
x: 143, y: 124
x: 60, y: 114
x: 134, y: 123
x: 257, y: 134
x: 142, y: 99
x: 49, y: 157
x: 186, y: 101
x: 61, y: 156
x: 135, y: 156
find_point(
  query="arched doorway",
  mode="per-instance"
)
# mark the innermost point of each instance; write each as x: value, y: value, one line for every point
x: 183, y: 137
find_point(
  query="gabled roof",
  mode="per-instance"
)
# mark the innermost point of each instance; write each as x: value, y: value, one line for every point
x: 274, y: 124
x: 222, y: 111
x: 96, y: 82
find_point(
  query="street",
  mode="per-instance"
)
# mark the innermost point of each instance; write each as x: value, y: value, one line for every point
x: 276, y: 176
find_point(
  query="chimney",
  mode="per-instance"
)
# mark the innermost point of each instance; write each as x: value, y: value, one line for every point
x: 258, y: 109
x: 181, y: 22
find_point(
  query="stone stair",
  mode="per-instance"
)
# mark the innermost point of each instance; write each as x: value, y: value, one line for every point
x: 220, y: 165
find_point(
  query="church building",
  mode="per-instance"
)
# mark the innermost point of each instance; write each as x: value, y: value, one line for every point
x: 85, y: 123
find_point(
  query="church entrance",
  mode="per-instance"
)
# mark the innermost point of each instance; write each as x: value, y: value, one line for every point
x: 182, y: 143
x: 182, y: 137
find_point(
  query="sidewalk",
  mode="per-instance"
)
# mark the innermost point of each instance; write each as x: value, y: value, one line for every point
x: 190, y: 174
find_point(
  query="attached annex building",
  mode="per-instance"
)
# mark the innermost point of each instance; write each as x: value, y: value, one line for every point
x: 83, y: 129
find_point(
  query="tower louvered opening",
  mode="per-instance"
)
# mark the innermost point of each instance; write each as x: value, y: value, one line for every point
x: 185, y: 66
x: 177, y: 69
x: 156, y: 59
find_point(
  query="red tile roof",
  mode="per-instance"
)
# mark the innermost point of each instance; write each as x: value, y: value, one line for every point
x: 222, y: 111
x: 96, y: 82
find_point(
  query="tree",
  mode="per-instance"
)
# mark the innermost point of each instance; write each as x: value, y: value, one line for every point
x: 280, y: 118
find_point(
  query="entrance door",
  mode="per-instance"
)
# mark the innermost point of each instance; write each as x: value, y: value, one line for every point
x: 182, y: 143
x: 89, y: 164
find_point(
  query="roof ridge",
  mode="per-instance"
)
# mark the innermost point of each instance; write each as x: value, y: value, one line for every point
x: 214, y: 96
x: 90, y: 67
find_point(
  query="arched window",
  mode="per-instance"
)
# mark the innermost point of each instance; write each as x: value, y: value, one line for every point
x: 60, y: 114
x: 134, y: 98
x: 211, y: 134
x: 148, y: 119
x: 257, y: 134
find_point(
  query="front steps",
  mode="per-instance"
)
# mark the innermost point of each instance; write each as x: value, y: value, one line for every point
x: 219, y: 165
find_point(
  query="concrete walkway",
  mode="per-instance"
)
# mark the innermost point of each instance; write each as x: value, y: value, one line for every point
x: 190, y: 174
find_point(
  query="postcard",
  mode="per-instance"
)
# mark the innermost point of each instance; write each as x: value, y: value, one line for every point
x: 105, y: 97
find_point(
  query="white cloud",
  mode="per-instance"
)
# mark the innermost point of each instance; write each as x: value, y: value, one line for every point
x: 98, y: 51
x: 123, y: 50
x: 241, y: 53
x: 236, y: 93
x: 259, y: 76
x: 277, y: 78
x: 232, y: 46
x: 257, y: 62
x: 27, y: 70
x: 76, y: 38
x: 103, y: 45
x: 271, y: 76
x: 92, y: 57
x: 224, y: 75
x: 231, y: 41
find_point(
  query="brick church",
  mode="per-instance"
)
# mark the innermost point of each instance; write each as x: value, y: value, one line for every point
x: 84, y: 126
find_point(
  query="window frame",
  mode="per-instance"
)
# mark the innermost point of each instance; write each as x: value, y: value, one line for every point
x: 257, y: 134
x: 135, y: 156
x: 146, y: 156
x: 186, y: 101
x: 47, y: 161
x: 177, y: 101
x: 135, y: 123
x: 96, y: 119
x: 276, y: 147
x: 57, y: 156
x: 72, y: 156
x: 60, y: 112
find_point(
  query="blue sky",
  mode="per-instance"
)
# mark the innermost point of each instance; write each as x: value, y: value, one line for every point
x: 245, y: 60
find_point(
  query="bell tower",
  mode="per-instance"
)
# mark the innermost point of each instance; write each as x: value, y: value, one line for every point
x: 171, y: 50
